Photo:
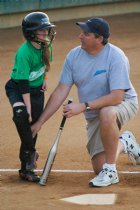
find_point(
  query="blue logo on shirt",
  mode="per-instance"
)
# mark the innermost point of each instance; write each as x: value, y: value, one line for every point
x: 99, y: 72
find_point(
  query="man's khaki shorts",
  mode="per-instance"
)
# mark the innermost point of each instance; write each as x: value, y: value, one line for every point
x: 124, y: 111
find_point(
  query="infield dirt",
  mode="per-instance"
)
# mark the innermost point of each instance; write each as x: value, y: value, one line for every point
x: 72, y: 153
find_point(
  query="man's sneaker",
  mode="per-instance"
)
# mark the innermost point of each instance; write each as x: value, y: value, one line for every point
x: 105, y: 178
x: 29, y: 176
x: 132, y: 148
x: 32, y: 161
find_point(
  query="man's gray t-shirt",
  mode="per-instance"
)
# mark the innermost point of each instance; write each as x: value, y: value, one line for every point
x: 97, y: 76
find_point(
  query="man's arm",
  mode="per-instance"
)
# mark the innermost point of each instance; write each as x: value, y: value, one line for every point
x: 112, y: 99
x: 54, y: 102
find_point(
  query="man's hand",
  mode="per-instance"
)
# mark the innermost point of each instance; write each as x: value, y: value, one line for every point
x: 72, y: 109
x: 35, y: 128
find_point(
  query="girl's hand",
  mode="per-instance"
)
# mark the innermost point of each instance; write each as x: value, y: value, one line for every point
x: 29, y: 112
x: 30, y: 118
x: 44, y: 86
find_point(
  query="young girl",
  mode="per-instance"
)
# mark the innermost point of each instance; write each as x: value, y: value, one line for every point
x: 25, y: 89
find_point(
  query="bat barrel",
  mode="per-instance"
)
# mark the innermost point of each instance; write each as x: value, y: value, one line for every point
x: 42, y: 181
x: 52, y: 153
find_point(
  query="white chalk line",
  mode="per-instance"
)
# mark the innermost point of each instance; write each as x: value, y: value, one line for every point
x: 68, y: 171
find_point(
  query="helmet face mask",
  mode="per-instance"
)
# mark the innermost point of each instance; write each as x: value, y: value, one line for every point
x: 51, y: 34
x: 35, y: 21
x: 42, y: 37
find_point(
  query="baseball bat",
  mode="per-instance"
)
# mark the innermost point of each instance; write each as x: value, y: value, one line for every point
x: 52, y: 153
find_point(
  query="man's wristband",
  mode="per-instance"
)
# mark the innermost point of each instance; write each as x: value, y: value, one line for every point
x: 87, y: 107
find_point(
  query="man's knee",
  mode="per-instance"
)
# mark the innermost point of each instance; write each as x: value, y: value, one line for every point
x: 107, y: 115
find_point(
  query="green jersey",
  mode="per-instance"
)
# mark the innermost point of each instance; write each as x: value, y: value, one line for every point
x: 29, y: 65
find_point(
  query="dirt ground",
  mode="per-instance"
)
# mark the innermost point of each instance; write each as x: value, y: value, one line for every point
x: 72, y: 154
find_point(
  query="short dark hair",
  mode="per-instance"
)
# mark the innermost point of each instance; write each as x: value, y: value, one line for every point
x: 105, y: 40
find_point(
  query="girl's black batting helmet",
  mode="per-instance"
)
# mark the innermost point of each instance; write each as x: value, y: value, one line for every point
x: 35, y: 21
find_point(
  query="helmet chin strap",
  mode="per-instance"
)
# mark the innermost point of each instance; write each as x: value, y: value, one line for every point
x: 43, y: 43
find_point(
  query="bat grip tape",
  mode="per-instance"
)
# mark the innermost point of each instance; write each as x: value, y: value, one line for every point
x: 64, y: 118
